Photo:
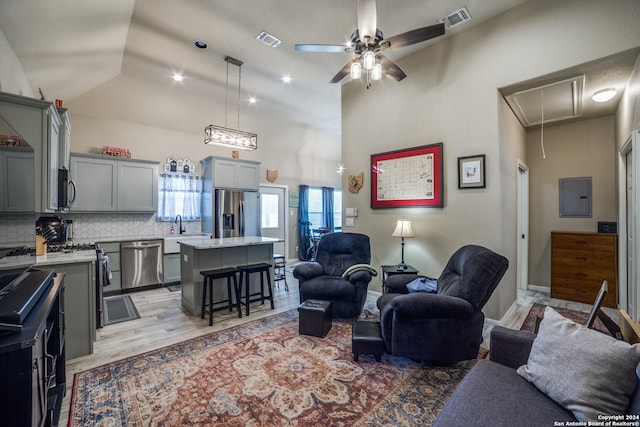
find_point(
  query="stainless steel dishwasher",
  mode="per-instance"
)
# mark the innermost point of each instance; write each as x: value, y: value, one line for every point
x: 141, y: 264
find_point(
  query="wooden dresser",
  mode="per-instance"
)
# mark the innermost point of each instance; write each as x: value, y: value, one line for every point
x: 579, y: 264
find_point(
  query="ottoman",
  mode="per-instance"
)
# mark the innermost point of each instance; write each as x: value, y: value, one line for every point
x: 315, y: 318
x: 366, y: 338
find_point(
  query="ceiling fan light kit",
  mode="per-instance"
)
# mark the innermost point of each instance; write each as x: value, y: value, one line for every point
x: 367, y: 43
x: 227, y: 137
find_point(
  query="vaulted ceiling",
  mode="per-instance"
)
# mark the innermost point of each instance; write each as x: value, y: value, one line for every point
x: 68, y: 47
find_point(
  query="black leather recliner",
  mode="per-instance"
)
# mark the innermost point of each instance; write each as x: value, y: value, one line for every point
x: 322, y: 279
x: 446, y: 326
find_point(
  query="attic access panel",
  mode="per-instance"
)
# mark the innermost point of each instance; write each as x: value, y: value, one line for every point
x: 575, y: 197
x: 549, y: 103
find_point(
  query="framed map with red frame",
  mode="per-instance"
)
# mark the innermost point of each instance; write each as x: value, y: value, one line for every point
x: 408, y: 177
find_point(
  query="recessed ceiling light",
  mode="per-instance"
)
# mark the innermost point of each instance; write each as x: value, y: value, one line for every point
x: 178, y: 77
x: 286, y: 79
x: 604, y: 95
x: 252, y: 100
x: 201, y: 44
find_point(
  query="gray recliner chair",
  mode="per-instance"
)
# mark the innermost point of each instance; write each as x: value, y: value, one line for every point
x: 446, y: 326
x: 322, y: 279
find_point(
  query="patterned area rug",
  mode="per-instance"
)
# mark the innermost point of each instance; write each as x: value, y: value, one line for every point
x: 263, y: 373
x: 537, y: 313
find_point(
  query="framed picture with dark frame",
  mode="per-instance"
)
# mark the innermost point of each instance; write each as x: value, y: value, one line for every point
x: 408, y: 178
x: 471, y: 172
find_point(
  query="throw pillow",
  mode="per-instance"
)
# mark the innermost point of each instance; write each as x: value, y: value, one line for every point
x: 583, y: 370
x: 422, y: 284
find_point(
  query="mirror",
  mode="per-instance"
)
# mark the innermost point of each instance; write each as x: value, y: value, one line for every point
x: 17, y: 189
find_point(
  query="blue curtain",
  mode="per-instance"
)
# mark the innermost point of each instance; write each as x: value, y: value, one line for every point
x: 327, y: 207
x: 304, y: 229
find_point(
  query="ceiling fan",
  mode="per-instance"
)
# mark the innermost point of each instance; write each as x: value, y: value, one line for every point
x: 367, y: 43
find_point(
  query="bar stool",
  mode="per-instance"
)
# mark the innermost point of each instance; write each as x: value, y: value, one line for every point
x: 279, y: 270
x: 245, y: 272
x: 220, y: 273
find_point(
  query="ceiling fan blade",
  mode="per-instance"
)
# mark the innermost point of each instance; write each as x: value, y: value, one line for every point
x: 390, y: 68
x: 323, y: 48
x: 367, y: 19
x: 343, y: 72
x: 415, y: 36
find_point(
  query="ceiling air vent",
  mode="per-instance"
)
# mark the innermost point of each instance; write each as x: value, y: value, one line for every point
x: 268, y: 39
x: 457, y: 17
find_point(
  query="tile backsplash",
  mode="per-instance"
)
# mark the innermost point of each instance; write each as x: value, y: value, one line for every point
x: 19, y: 230
x: 93, y: 227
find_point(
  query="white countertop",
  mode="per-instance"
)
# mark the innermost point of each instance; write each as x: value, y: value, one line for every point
x: 54, y: 258
x: 228, y: 242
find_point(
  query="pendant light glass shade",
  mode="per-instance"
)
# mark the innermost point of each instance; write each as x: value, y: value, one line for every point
x: 376, y: 72
x: 356, y: 70
x: 368, y: 60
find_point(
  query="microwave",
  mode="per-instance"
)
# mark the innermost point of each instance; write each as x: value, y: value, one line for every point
x: 66, y: 189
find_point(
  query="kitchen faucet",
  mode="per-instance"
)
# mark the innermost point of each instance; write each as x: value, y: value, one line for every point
x: 180, y: 229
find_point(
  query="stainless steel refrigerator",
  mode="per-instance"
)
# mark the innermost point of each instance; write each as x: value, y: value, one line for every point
x: 236, y: 214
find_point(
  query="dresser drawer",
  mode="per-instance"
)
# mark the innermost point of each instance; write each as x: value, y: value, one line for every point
x: 579, y: 264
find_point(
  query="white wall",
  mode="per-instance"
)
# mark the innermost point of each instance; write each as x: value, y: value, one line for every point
x: 12, y: 76
x: 450, y: 95
x: 581, y: 149
x: 155, y: 122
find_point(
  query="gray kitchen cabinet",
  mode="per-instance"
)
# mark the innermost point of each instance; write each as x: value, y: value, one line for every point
x: 171, y: 268
x: 80, y: 307
x: 17, y: 180
x: 112, y: 250
x: 104, y: 184
x: 95, y: 179
x: 38, y: 123
x: 137, y: 186
x: 235, y: 174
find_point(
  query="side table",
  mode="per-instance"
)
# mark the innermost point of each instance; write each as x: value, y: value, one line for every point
x: 392, y: 270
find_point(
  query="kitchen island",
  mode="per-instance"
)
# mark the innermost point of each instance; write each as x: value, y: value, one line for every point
x: 197, y: 255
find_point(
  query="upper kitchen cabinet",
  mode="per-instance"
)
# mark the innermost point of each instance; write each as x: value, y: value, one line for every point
x: 38, y: 122
x: 137, y: 186
x: 17, y: 180
x: 106, y: 184
x: 234, y: 174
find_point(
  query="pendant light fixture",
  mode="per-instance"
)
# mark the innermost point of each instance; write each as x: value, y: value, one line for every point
x: 225, y: 136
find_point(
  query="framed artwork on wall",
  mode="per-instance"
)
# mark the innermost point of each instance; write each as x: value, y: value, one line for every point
x: 408, y: 177
x: 471, y: 172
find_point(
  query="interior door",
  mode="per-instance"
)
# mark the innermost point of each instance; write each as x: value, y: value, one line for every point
x: 274, y: 216
x: 631, y: 291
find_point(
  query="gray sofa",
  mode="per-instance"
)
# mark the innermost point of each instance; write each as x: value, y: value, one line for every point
x: 493, y: 394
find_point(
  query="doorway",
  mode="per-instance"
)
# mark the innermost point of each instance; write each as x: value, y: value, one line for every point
x: 522, y: 271
x: 274, y: 219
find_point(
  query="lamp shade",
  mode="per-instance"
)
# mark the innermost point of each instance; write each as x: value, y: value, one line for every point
x: 403, y: 229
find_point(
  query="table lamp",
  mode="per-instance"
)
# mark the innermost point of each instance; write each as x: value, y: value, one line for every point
x: 403, y: 229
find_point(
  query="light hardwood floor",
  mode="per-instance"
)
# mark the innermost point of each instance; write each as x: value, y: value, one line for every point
x: 164, y: 322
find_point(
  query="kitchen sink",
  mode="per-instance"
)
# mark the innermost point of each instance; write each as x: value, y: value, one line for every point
x: 172, y: 245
